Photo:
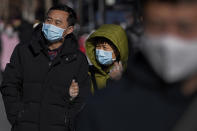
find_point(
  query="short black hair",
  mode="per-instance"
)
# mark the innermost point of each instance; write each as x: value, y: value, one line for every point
x: 72, y: 18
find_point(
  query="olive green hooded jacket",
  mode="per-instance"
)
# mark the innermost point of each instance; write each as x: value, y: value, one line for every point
x: 117, y: 36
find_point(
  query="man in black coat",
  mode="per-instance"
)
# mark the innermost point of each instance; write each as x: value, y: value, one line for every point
x: 161, y: 79
x: 37, y: 81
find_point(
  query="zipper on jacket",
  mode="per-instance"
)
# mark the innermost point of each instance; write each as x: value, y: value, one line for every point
x: 44, y: 87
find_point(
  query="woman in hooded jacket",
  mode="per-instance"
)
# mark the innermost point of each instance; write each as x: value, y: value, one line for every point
x: 107, y: 51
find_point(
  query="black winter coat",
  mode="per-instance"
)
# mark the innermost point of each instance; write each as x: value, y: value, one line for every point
x: 35, y: 89
x: 141, y: 101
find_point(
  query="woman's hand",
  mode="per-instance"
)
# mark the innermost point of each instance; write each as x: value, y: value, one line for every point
x: 116, y: 71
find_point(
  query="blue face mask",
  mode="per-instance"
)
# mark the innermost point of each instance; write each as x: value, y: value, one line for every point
x: 104, y: 57
x: 52, y: 33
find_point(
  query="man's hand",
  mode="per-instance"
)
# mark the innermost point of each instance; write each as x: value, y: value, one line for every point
x: 116, y: 71
x: 73, y: 90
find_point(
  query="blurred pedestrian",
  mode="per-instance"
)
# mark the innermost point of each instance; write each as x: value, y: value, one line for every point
x: 161, y: 80
x: 134, y: 27
x: 107, y: 50
x: 1, y: 30
x: 23, y: 27
x: 9, y: 39
x: 46, y: 82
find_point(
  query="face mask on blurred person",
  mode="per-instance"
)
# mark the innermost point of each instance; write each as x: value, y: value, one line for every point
x: 104, y: 57
x: 9, y: 31
x: 52, y: 33
x: 173, y: 59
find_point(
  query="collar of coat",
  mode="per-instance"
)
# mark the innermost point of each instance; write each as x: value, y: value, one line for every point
x: 39, y: 43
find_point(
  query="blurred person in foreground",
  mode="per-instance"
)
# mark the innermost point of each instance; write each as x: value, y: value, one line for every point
x: 107, y: 50
x: 161, y: 80
x: 41, y: 83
